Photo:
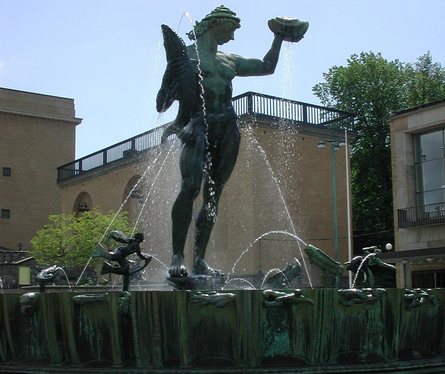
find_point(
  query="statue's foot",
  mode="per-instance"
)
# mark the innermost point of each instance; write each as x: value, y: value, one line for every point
x: 177, y: 267
x: 202, y: 268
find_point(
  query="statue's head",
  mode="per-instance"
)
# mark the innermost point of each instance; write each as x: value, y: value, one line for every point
x: 219, y: 16
x: 139, y: 237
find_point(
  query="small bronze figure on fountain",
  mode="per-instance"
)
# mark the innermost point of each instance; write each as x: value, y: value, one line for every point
x: 120, y: 256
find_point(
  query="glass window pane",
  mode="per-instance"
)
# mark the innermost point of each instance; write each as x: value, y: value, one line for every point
x: 7, y: 172
x: 431, y: 145
x: 5, y: 213
x: 433, y: 197
x: 419, y: 178
x: 433, y: 175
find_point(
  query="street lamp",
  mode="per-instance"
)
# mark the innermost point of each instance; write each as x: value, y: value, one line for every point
x: 335, y: 146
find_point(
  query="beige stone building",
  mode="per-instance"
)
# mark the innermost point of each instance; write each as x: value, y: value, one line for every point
x: 418, y: 169
x: 37, y: 135
x: 280, y: 195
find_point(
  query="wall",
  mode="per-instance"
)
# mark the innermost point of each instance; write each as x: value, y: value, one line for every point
x: 37, y: 136
x: 403, y: 128
x: 418, y: 248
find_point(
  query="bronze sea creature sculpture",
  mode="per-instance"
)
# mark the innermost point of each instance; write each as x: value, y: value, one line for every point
x: 180, y: 82
x: 326, y: 263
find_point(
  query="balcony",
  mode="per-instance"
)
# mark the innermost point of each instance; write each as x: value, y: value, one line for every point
x: 126, y: 149
x: 424, y: 215
x: 296, y: 112
x: 248, y: 104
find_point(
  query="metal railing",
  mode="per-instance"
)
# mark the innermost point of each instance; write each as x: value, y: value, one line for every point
x: 257, y: 104
x: 125, y: 149
x: 249, y: 103
x: 422, y: 215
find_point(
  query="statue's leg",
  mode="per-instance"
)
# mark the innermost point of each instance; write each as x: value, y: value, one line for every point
x: 124, y: 267
x: 223, y: 162
x: 126, y: 282
x: 204, y: 225
x: 191, y: 167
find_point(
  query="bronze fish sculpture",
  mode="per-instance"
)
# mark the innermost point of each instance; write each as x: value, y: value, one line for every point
x: 323, y: 261
x: 180, y: 82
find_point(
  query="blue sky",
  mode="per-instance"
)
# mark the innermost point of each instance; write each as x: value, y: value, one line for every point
x: 108, y: 56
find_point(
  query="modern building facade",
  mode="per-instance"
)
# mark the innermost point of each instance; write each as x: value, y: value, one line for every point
x: 37, y: 135
x: 418, y: 169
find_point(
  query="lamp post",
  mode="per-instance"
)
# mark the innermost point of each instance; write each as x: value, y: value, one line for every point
x: 335, y: 146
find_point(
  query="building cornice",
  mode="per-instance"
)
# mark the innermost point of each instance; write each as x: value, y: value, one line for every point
x: 73, y: 120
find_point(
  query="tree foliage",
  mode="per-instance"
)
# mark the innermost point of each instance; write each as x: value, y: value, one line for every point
x: 375, y: 88
x: 426, y: 81
x: 68, y: 240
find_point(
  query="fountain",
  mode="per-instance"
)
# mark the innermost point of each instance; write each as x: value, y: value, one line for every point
x: 280, y: 324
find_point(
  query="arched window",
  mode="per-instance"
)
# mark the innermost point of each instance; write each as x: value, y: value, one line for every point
x: 83, y: 203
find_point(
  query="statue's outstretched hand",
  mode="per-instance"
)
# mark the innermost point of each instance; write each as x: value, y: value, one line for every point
x: 289, y: 29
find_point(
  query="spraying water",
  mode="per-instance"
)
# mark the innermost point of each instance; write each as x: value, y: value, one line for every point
x: 150, y: 190
x: 360, y: 267
x: 240, y: 280
x: 280, y: 194
x: 120, y: 208
x: 261, y: 237
x: 275, y: 270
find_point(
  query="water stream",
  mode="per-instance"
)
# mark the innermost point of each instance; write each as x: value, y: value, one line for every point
x: 271, y: 271
x: 261, y: 237
x: 360, y: 268
x: 136, y: 185
x: 281, y: 196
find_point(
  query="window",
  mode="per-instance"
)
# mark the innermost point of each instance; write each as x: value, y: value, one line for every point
x: 5, y: 213
x: 430, y: 168
x: 6, y: 172
x: 429, y: 279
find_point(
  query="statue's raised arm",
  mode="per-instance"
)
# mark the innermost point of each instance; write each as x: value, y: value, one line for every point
x: 284, y: 29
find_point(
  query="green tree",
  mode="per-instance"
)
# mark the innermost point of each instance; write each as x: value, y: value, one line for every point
x: 375, y: 88
x: 68, y: 240
x: 426, y: 81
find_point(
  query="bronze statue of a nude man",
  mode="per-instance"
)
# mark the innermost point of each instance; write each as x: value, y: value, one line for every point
x: 211, y: 138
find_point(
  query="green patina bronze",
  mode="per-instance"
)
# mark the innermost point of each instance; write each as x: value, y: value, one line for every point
x: 360, y: 266
x: 294, y: 330
x: 329, y: 268
x: 200, y: 77
x: 120, y: 255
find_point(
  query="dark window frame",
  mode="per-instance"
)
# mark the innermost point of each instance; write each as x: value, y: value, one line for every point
x: 7, y: 172
x: 420, y: 168
x: 5, y: 213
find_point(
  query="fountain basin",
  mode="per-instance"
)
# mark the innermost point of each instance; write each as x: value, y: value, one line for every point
x: 251, y: 329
